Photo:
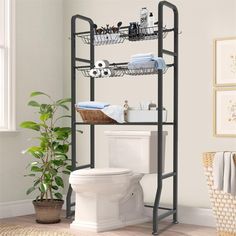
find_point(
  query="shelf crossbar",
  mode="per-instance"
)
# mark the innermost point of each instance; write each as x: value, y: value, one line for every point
x: 167, y: 52
x: 82, y: 60
x: 129, y: 123
x: 168, y: 175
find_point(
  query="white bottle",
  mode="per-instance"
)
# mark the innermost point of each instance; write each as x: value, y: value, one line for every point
x: 151, y: 23
x: 143, y: 19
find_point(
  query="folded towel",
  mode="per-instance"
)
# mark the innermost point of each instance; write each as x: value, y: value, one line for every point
x: 115, y: 112
x: 91, y: 105
x: 156, y: 62
x: 224, y: 172
x: 142, y: 65
x: 142, y: 55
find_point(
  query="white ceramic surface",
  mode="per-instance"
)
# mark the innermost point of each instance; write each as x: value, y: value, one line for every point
x: 111, y: 198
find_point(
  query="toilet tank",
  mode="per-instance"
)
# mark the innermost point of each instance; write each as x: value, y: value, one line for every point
x: 136, y: 150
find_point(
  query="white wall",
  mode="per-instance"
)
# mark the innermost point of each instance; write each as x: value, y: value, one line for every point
x: 39, y: 66
x: 200, y: 22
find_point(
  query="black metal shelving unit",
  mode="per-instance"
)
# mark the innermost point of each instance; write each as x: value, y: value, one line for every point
x: 88, y: 37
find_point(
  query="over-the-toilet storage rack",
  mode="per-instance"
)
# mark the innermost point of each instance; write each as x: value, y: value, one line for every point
x: 88, y: 37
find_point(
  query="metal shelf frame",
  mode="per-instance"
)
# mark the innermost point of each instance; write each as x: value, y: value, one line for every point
x: 173, y: 211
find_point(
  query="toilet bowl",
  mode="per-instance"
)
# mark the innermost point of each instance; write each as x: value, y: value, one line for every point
x: 107, y: 199
x: 111, y: 198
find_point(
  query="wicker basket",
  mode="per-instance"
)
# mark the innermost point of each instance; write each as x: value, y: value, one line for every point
x: 95, y: 117
x: 223, y: 204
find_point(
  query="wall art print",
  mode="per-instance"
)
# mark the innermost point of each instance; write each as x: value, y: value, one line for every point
x: 225, y: 112
x: 225, y: 62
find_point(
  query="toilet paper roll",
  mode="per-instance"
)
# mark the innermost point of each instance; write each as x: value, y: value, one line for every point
x: 107, y: 72
x: 95, y: 73
x: 102, y: 64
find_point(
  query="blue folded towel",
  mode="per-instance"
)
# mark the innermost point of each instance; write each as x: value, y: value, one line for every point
x: 92, y: 105
x: 147, y: 62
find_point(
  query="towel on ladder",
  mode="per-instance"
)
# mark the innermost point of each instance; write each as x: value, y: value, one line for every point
x: 224, y: 172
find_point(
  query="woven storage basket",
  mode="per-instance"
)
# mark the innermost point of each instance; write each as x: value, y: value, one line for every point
x: 95, y: 117
x: 223, y: 204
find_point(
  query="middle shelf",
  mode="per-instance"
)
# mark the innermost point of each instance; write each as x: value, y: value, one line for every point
x: 119, y: 70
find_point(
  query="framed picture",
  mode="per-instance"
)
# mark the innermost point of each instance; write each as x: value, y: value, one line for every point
x: 225, y: 112
x: 225, y: 62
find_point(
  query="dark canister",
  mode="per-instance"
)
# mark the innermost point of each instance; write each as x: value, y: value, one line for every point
x: 133, y: 31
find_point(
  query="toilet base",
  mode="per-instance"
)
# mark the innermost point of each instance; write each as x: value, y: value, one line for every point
x: 106, y: 225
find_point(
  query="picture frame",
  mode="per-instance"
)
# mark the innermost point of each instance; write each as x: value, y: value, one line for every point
x: 224, y: 112
x: 225, y: 62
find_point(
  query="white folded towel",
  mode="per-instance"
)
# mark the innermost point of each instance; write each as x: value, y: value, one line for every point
x: 115, y: 112
x: 224, y: 172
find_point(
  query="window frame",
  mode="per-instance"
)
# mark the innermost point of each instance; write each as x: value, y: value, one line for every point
x: 9, y: 66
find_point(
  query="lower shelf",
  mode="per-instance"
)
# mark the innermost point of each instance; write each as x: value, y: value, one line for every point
x: 130, y: 123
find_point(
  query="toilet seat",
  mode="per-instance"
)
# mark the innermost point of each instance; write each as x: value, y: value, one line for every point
x: 101, y: 172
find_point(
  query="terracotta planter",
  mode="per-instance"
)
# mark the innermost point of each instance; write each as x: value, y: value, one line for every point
x: 48, y: 212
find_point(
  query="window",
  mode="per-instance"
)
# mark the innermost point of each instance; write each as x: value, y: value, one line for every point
x: 6, y: 65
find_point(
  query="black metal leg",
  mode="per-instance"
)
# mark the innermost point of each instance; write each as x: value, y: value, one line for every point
x: 68, y: 202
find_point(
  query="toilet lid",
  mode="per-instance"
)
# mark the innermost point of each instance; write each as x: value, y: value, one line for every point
x: 101, y: 172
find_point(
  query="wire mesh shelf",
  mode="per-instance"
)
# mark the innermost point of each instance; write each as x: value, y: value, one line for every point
x: 115, y: 70
x: 149, y: 33
x: 104, y: 39
x: 111, y: 71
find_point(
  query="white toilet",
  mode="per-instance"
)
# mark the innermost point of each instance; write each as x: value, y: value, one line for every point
x: 111, y: 198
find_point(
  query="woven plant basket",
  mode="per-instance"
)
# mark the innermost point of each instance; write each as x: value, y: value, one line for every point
x: 223, y: 204
x: 95, y: 117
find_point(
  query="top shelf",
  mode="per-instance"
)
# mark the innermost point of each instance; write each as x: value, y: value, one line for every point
x: 149, y: 33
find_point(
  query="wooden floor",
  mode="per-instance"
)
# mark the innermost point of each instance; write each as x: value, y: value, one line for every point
x: 137, y: 230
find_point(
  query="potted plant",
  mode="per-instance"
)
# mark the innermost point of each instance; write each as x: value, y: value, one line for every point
x: 50, y: 157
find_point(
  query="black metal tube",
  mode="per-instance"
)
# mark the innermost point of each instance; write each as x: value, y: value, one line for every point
x: 92, y: 96
x: 156, y: 218
x: 171, y: 174
x: 166, y: 214
x: 160, y: 123
x: 175, y: 132
x: 73, y: 95
x: 73, y: 114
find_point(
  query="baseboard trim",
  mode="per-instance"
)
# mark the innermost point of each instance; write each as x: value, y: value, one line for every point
x: 19, y: 208
x: 16, y: 208
x: 192, y: 215
x: 187, y: 215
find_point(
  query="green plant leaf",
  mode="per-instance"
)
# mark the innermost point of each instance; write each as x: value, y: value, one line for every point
x: 61, y: 156
x: 64, y: 148
x: 61, y: 117
x: 36, y: 182
x: 43, y: 187
x: 64, y: 100
x: 53, y: 172
x: 58, y: 195
x: 64, y: 106
x: 66, y: 172
x: 69, y: 167
x: 57, y: 162
x: 45, y: 116
x: 36, y: 169
x: 30, y: 125
x: 33, y: 104
x: 36, y: 93
x: 35, y: 151
x: 55, y: 187
x: 30, y: 175
x: 30, y: 190
x: 59, y: 181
